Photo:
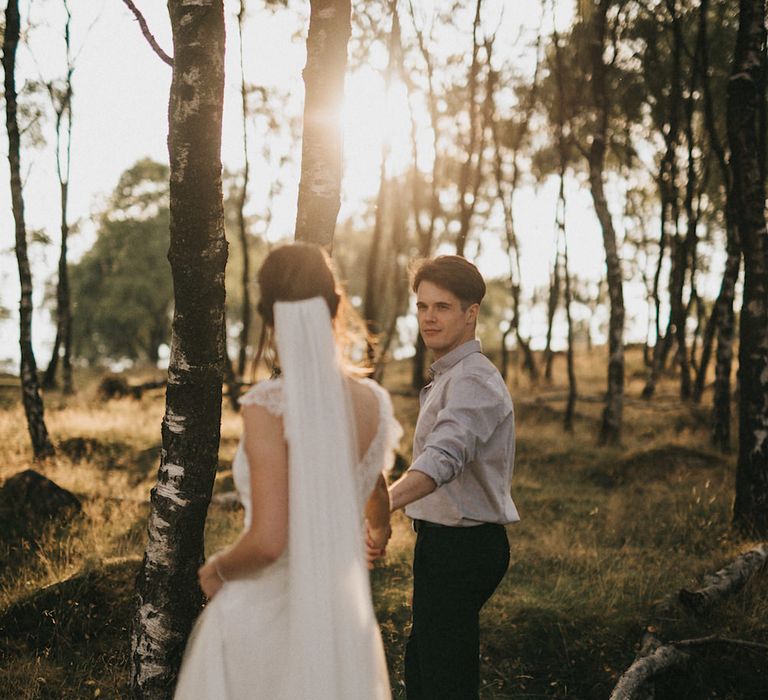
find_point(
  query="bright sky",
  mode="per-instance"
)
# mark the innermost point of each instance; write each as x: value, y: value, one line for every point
x: 120, y: 115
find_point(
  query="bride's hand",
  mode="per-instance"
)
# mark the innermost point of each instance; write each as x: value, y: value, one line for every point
x: 376, y: 542
x: 209, y: 578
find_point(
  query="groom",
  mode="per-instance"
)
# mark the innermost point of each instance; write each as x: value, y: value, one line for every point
x: 457, y: 490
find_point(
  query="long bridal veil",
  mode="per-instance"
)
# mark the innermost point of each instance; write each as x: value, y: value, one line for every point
x: 334, y: 641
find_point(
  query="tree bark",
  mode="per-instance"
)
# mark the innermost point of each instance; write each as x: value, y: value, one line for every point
x: 726, y: 581
x: 610, y: 431
x: 725, y: 331
x: 652, y: 659
x: 746, y: 89
x: 245, y: 277
x: 168, y: 598
x: 321, y: 150
x: 30, y: 391
x: 723, y: 311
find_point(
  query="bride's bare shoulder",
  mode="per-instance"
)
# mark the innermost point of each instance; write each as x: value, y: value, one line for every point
x: 364, y: 393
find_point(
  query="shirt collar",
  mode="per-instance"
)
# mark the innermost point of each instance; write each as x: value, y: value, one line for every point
x: 454, y: 356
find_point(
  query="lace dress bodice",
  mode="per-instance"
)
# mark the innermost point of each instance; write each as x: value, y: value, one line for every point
x: 377, y: 458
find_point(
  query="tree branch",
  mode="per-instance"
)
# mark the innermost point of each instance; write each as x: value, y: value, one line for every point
x: 147, y: 34
x: 714, y: 639
x: 726, y: 581
x: 653, y: 658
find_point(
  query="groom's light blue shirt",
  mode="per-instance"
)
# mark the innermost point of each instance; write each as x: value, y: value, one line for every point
x: 465, y: 441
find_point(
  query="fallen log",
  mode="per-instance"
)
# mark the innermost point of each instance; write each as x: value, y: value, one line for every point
x: 726, y: 581
x: 652, y: 659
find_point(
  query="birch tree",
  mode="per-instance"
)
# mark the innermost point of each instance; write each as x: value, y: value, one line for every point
x: 30, y: 390
x: 321, y: 150
x: 610, y: 431
x: 746, y: 97
x: 168, y: 597
x: 61, y: 100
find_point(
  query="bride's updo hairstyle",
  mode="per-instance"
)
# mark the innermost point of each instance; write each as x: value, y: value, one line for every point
x: 295, y: 272
x: 298, y: 271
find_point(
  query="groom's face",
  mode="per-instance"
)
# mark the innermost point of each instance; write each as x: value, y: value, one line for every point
x: 443, y: 323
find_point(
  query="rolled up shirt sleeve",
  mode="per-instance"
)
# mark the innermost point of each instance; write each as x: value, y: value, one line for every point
x: 473, y: 410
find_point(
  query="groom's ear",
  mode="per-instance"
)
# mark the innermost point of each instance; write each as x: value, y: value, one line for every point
x: 472, y: 311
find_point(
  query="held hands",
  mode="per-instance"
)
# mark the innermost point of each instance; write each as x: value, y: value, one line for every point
x: 376, y: 542
x: 209, y: 577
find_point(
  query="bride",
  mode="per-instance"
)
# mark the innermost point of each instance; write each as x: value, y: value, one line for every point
x: 290, y: 614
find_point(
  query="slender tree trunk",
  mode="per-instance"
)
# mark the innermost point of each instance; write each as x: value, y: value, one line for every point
x: 746, y: 90
x: 570, y: 406
x: 373, y: 287
x: 62, y: 105
x: 648, y: 391
x: 505, y: 192
x: 245, y: 278
x: 468, y: 166
x: 375, y: 265
x: 504, y: 352
x: 670, y: 216
x: 418, y: 378
x: 30, y: 392
x: 168, y: 597
x: 562, y: 148
x: 321, y: 158
x: 706, y: 355
x: 426, y: 233
x: 49, y: 376
x: 399, y: 287
x: 725, y: 324
x: 723, y: 312
x: 610, y: 431
x: 686, y: 245
x: 554, y: 301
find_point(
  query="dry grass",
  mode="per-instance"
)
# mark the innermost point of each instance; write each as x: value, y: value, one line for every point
x: 607, y: 535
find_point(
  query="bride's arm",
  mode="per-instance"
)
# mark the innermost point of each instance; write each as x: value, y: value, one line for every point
x: 267, y: 536
x: 377, y: 514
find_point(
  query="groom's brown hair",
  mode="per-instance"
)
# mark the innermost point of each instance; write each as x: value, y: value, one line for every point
x: 453, y: 273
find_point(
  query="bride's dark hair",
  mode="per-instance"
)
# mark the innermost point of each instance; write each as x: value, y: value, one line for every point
x: 299, y: 271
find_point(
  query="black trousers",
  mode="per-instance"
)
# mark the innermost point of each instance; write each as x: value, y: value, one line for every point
x: 455, y: 570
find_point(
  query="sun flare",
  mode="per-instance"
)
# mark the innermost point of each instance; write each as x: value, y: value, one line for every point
x: 375, y: 119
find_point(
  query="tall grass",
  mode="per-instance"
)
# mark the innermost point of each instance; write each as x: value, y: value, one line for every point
x: 607, y: 537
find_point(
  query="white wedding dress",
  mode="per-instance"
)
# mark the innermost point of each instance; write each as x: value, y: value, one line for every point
x: 276, y: 636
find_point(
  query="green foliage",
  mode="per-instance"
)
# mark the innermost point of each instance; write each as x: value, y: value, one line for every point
x: 121, y: 288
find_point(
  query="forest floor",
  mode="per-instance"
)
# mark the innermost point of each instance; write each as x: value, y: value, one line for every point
x: 608, y: 536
